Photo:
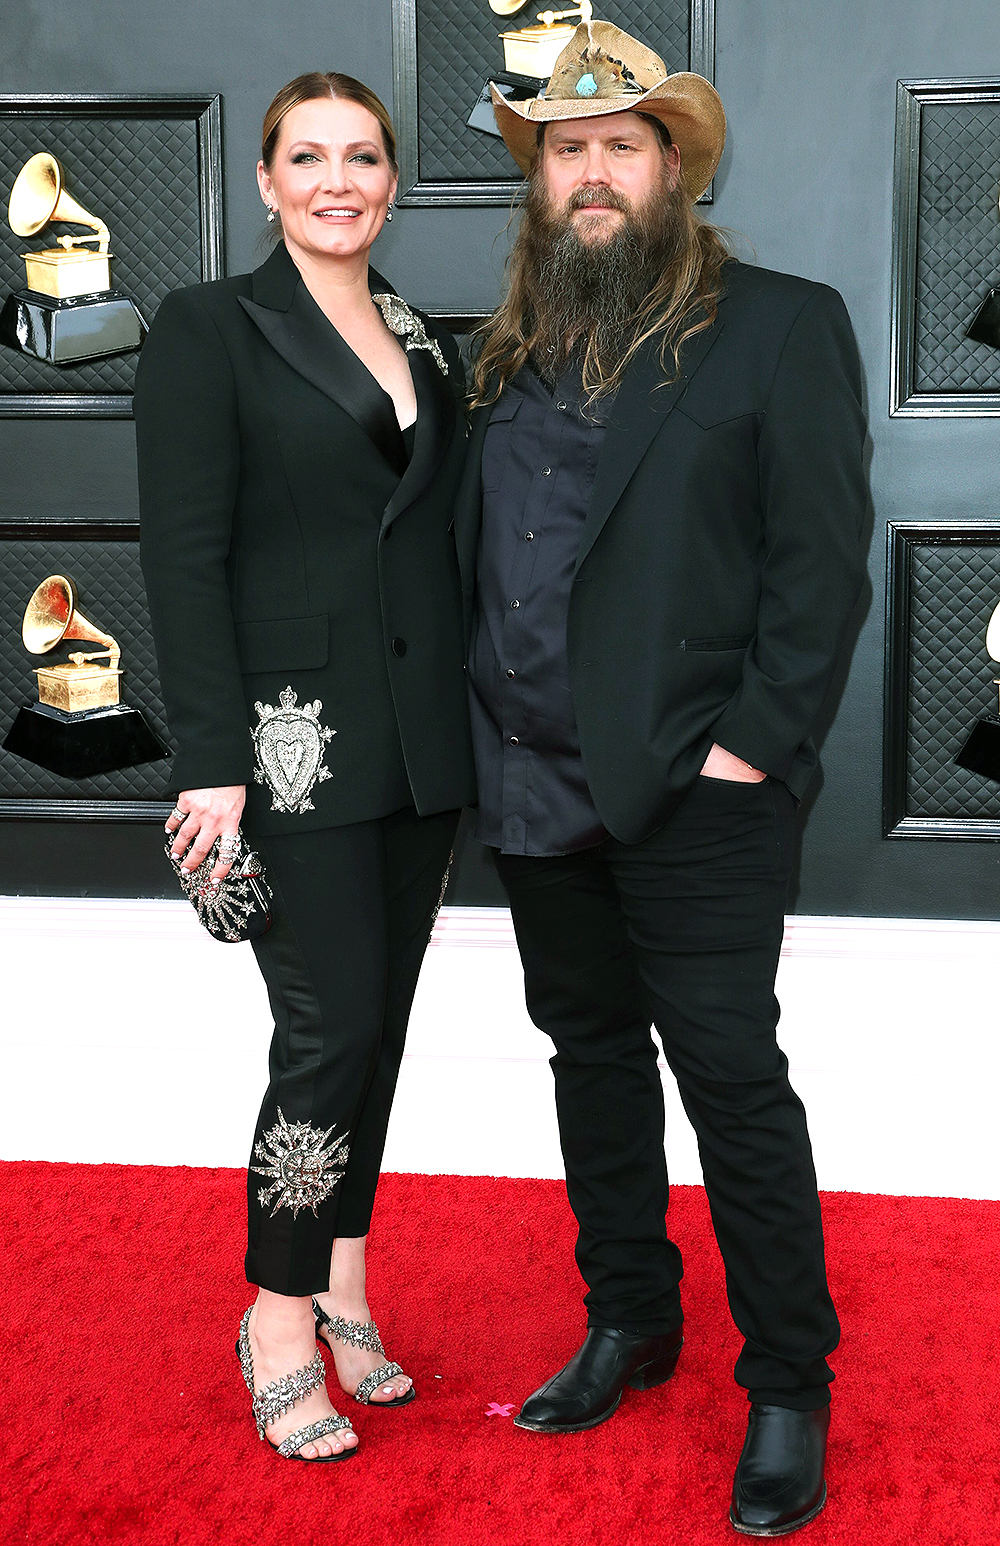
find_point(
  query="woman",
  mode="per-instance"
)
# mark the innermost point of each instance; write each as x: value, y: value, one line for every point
x: 299, y: 444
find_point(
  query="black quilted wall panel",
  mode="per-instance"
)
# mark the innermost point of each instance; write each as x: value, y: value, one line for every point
x: 953, y: 591
x: 458, y: 47
x: 141, y: 177
x: 958, y: 245
x: 110, y: 590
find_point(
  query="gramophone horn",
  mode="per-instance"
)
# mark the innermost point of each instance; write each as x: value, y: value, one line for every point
x: 993, y: 634
x: 38, y: 196
x: 51, y: 616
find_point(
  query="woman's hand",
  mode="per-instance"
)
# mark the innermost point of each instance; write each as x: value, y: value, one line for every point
x: 199, y: 817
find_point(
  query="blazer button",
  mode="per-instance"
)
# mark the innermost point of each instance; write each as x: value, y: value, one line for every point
x: 398, y: 646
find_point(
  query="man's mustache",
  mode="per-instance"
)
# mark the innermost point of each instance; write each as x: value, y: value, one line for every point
x: 608, y: 198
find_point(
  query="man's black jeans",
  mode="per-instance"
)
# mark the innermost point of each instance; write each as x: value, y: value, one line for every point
x: 682, y: 930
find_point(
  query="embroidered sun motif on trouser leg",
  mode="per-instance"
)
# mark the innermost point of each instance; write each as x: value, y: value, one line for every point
x: 290, y: 743
x: 301, y: 1164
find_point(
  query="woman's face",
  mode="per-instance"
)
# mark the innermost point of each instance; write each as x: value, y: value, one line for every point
x: 330, y: 179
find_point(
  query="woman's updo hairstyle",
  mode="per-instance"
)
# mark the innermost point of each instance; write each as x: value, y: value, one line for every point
x: 324, y: 83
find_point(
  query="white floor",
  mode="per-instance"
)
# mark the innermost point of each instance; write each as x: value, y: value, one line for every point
x: 129, y: 1035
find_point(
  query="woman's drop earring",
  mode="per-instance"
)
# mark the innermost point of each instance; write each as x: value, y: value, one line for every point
x: 270, y: 215
x: 388, y: 211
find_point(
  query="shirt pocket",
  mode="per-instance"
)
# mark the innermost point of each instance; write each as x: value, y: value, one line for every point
x: 496, y: 443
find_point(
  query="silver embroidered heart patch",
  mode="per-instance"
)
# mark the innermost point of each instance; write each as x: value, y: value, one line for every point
x: 290, y: 743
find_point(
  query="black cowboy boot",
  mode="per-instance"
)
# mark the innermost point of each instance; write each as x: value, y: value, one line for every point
x: 779, y: 1479
x: 587, y: 1391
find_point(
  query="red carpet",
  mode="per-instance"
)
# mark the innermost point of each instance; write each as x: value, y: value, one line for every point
x: 126, y: 1419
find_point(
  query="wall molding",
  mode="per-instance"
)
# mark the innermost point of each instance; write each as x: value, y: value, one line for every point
x: 490, y: 928
x: 156, y: 1049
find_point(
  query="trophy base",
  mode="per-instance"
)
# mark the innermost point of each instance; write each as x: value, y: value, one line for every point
x: 985, y: 325
x: 84, y: 744
x: 981, y: 752
x: 62, y: 332
x: 513, y: 88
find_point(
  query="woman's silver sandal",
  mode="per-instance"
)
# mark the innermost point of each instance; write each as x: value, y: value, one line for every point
x: 281, y: 1395
x: 364, y: 1334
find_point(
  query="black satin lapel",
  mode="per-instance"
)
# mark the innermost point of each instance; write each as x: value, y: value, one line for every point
x: 311, y: 345
x: 436, y: 413
x: 639, y: 409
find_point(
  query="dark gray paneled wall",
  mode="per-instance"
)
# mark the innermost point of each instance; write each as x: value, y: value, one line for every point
x: 806, y: 180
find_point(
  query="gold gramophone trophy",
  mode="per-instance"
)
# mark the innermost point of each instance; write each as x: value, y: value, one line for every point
x: 79, y: 726
x: 981, y: 752
x: 68, y: 310
x: 529, y: 55
x: 533, y: 51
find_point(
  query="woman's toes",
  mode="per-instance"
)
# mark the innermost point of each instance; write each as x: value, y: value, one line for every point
x: 309, y: 1451
x: 392, y: 1390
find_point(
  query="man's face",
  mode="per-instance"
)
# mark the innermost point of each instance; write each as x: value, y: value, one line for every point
x: 597, y: 170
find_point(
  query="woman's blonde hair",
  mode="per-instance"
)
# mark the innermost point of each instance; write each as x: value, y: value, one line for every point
x: 310, y: 88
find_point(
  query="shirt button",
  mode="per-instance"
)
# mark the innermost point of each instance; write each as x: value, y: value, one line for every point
x: 561, y: 406
x: 398, y: 646
x: 515, y: 605
x: 514, y: 741
x: 529, y: 536
x: 510, y: 676
x: 546, y: 472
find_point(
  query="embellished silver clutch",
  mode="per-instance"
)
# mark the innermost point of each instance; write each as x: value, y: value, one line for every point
x: 235, y: 909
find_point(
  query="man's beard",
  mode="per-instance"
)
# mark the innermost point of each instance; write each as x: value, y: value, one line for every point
x: 587, y: 295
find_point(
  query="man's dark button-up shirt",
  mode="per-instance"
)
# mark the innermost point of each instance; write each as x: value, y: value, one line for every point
x: 539, y: 458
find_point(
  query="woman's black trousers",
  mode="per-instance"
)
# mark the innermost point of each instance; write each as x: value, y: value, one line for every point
x: 353, y: 909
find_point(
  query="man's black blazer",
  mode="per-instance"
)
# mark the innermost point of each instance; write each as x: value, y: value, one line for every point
x: 281, y: 550
x: 720, y: 557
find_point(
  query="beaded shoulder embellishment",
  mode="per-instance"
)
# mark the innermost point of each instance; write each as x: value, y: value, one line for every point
x: 399, y: 319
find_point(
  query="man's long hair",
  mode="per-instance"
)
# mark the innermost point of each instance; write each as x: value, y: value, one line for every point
x: 658, y: 276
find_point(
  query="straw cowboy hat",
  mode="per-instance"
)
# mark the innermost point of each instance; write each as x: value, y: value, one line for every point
x: 603, y: 70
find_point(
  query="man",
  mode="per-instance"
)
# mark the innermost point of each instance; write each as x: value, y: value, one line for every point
x: 659, y: 538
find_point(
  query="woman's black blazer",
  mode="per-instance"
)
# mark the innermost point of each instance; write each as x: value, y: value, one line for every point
x: 294, y: 578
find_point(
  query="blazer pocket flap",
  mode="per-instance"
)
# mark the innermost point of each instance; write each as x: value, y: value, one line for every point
x: 710, y: 406
x: 284, y: 643
x: 717, y: 644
